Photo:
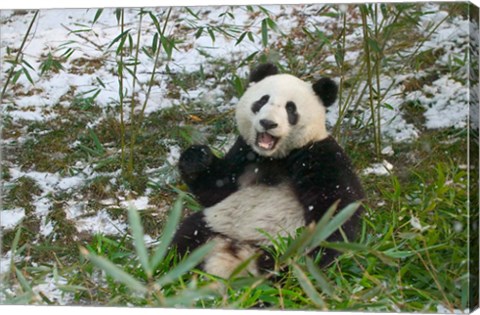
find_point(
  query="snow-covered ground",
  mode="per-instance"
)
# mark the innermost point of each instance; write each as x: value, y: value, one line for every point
x: 445, y: 100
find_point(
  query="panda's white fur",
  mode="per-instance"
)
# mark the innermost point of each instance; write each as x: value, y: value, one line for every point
x: 281, y: 89
x: 252, y: 212
x: 222, y: 262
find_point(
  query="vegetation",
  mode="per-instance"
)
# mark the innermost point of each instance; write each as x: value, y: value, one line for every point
x: 412, y: 253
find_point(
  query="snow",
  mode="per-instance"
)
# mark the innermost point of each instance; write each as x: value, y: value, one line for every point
x: 174, y: 155
x: 379, y: 169
x: 388, y: 151
x: 98, y: 222
x: 5, y: 262
x: 50, y: 289
x: 443, y: 310
x: 138, y: 204
x: 10, y: 218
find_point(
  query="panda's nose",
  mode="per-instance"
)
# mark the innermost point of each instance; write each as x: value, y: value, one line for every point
x: 268, y: 124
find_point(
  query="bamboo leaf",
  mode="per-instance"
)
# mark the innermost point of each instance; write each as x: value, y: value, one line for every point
x: 118, y: 14
x: 137, y: 233
x: 188, y: 297
x: 119, y: 37
x: 186, y: 265
x: 155, y: 43
x: 23, y: 282
x: 240, y: 39
x: 97, y: 16
x: 168, y: 233
x: 16, y: 76
x: 271, y: 24
x: 355, y: 247
x: 308, y: 287
x: 101, y: 82
x: 323, y: 232
x: 250, y: 37
x: 14, y: 247
x: 393, y: 253
x: 212, y: 34
x: 374, y: 45
x: 199, y: 32
x: 25, y: 71
x: 167, y: 45
x: 114, y: 271
x: 318, y: 275
x: 155, y: 22
x: 298, y: 245
x: 264, y: 33
x: 96, y: 141
x: 28, y: 64
x: 243, y: 266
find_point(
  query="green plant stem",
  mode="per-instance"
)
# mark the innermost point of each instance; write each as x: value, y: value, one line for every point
x: 120, y: 83
x: 147, y: 96
x: 366, y: 37
x: 17, y: 57
x: 341, y: 109
x: 378, y: 59
x: 132, y: 104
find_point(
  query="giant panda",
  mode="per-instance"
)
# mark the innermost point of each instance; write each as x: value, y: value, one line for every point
x: 283, y: 172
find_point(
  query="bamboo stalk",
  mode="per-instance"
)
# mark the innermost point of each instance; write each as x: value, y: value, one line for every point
x: 17, y: 57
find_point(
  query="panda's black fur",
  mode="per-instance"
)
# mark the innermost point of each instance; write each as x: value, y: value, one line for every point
x: 316, y: 174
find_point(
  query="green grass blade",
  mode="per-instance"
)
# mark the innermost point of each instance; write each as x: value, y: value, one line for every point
x: 305, y: 238
x: 96, y: 141
x: 137, y: 233
x: 298, y: 245
x: 168, y: 233
x: 117, y: 273
x: 320, y: 278
x: 14, y: 247
x: 308, y: 287
x: 23, y: 282
x: 186, y: 265
x: 355, y: 247
x: 188, y: 297
x: 243, y: 265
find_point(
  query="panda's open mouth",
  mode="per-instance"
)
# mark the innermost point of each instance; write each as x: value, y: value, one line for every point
x: 266, y: 141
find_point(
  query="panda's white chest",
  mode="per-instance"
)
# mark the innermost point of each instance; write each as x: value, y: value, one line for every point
x: 256, y: 210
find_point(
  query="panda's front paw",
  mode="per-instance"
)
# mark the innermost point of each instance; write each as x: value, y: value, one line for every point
x: 194, y: 161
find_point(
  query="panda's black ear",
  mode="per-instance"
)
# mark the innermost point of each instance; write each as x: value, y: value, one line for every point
x: 327, y: 90
x: 263, y: 71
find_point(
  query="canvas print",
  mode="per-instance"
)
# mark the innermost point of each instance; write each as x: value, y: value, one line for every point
x: 312, y: 156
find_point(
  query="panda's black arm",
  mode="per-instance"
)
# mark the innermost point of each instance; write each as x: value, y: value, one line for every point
x: 322, y: 174
x: 210, y: 178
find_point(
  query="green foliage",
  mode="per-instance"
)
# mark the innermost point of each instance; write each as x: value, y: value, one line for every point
x: 50, y: 64
x: 13, y: 74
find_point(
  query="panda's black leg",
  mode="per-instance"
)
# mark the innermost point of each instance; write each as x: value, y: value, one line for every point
x: 265, y: 262
x: 192, y: 233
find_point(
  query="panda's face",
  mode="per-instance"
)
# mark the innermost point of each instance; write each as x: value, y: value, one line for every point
x: 280, y: 113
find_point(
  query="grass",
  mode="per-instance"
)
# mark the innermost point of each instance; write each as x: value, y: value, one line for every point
x: 411, y: 253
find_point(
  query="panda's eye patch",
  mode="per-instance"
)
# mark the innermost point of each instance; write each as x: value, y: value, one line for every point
x: 259, y: 104
x: 292, y: 113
